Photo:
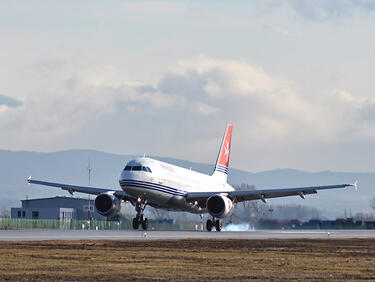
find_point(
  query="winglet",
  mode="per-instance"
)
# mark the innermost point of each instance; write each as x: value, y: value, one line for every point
x: 29, y: 179
x: 355, y: 185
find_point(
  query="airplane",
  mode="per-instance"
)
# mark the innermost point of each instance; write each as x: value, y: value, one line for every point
x: 146, y: 181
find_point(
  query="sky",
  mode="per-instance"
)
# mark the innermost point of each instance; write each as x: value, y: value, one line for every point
x: 295, y: 78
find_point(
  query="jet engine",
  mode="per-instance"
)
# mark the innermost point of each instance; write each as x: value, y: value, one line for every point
x: 107, y: 204
x: 219, y: 206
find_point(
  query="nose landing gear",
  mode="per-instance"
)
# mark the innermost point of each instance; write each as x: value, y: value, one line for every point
x: 140, y: 219
x: 214, y: 222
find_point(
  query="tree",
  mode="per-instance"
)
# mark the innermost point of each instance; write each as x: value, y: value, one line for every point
x: 249, y: 211
x: 5, y: 213
x: 372, y: 203
x: 253, y: 211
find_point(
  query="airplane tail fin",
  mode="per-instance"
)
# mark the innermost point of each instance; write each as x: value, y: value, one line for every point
x: 222, y: 162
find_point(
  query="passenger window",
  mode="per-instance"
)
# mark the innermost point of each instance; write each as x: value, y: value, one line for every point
x: 128, y: 167
x: 137, y: 168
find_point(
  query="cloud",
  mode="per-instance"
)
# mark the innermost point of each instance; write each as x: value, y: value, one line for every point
x: 206, y: 110
x: 279, y: 31
x: 240, y: 92
x: 64, y: 102
x: 66, y: 99
x: 361, y: 109
x: 189, y: 104
x: 46, y: 66
x: 153, y: 7
x: 321, y: 10
x: 207, y: 78
x: 368, y: 111
x: 9, y: 101
x: 269, y: 105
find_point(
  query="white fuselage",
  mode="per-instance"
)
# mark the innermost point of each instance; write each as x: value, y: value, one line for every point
x: 165, y: 185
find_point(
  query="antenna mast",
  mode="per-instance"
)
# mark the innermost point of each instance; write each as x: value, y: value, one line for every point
x: 89, y: 169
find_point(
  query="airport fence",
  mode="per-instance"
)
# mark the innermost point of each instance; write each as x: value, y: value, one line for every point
x: 22, y: 223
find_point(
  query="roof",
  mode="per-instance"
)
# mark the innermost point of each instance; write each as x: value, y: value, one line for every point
x: 57, y: 197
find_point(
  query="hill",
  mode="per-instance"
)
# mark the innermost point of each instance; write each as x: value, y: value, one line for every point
x: 71, y: 167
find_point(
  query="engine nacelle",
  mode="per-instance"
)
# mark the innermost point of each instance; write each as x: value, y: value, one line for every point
x: 107, y: 204
x: 219, y: 206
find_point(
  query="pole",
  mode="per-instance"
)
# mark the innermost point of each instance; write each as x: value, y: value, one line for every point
x: 89, y: 168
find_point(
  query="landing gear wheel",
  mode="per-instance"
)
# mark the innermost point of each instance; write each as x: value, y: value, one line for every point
x: 218, y: 225
x: 135, y: 223
x: 145, y: 224
x: 140, y: 219
x: 209, y: 224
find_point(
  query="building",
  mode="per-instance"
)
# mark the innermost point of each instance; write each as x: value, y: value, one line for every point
x: 56, y: 208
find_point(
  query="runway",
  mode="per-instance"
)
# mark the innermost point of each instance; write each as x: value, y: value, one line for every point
x: 41, y: 235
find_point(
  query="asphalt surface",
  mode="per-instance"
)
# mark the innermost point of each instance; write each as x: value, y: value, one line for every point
x: 40, y: 235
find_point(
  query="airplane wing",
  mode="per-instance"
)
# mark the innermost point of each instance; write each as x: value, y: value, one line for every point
x: 240, y: 196
x: 81, y: 189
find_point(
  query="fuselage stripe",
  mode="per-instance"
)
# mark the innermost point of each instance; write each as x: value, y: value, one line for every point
x: 155, y: 189
x: 219, y: 165
x: 151, y: 184
x: 142, y: 184
x: 222, y: 169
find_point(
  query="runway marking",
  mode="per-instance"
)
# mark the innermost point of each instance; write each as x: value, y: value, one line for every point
x: 41, y: 235
x: 303, y: 232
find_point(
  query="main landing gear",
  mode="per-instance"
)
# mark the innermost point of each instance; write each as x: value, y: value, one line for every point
x: 140, y: 219
x: 214, y: 222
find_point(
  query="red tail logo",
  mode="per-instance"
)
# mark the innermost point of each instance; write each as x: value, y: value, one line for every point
x: 223, y: 158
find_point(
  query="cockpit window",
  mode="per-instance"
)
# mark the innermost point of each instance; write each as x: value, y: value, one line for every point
x: 138, y: 168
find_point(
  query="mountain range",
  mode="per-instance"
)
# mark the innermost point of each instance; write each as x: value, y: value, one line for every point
x: 71, y: 167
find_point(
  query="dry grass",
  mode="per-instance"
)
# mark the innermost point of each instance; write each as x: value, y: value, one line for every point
x: 189, y: 260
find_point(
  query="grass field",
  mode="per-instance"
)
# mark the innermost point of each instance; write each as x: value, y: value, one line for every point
x: 349, y: 259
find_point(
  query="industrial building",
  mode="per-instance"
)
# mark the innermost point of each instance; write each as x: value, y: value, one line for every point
x: 56, y: 208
